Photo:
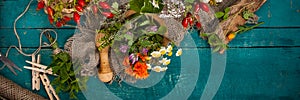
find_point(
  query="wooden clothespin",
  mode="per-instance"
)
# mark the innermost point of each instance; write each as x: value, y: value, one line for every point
x: 39, y: 68
x: 35, y: 74
x: 49, y: 89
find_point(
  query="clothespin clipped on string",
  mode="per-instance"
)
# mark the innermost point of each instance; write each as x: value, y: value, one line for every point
x: 41, y: 69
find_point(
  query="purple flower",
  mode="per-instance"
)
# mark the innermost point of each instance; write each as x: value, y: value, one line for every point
x: 129, y: 33
x: 133, y: 59
x: 145, y: 51
x: 152, y: 28
x: 123, y: 48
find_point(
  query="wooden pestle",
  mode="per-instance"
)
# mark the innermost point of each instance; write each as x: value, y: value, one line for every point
x: 105, y: 73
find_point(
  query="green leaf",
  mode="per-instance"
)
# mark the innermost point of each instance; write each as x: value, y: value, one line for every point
x: 162, y: 30
x: 219, y: 14
x: 130, y: 42
x: 136, y: 5
x: 145, y: 43
x: 189, y: 1
x: 227, y: 10
x: 216, y: 49
x: 144, y: 23
x: 225, y: 16
x: 115, y: 5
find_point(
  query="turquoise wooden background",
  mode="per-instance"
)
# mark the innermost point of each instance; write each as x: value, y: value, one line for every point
x: 261, y: 64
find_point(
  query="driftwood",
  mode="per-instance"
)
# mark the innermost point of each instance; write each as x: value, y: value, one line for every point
x: 235, y: 18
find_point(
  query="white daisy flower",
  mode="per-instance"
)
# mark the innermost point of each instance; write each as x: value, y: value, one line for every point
x: 164, y: 68
x: 155, y: 54
x: 157, y: 69
x: 167, y: 62
x: 163, y: 50
x: 179, y: 52
x: 170, y: 48
x: 163, y: 60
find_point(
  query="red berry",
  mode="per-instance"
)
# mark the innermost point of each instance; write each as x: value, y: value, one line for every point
x: 79, y: 8
x: 81, y: 3
x: 108, y: 14
x: 198, y: 25
x: 50, y: 19
x: 40, y: 5
x: 190, y: 20
x: 196, y: 8
x: 204, y: 7
x: 76, y: 17
x: 66, y: 18
x: 104, y: 5
x: 95, y: 9
x: 59, y: 24
x: 50, y: 11
x: 185, y: 23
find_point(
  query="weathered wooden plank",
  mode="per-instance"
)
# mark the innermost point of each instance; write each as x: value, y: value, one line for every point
x: 254, y: 38
x: 251, y: 73
x: 259, y: 37
x: 31, y: 37
x: 280, y: 13
x: 275, y: 13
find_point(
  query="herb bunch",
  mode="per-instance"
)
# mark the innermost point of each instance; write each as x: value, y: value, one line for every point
x: 68, y: 79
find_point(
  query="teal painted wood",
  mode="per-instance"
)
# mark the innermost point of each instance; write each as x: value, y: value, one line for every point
x: 254, y: 38
x: 31, y: 37
x: 275, y: 13
x: 251, y: 73
x: 261, y: 64
x: 280, y: 13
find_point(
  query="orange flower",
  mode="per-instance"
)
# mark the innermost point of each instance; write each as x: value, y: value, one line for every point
x: 140, y: 70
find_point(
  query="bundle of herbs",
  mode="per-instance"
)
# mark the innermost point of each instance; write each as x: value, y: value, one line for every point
x: 68, y: 78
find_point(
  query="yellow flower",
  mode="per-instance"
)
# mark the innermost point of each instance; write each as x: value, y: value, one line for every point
x: 155, y: 54
x: 157, y: 69
x: 170, y: 48
x: 170, y: 53
x: 179, y: 52
x: 167, y: 62
x: 163, y: 50
x: 148, y: 58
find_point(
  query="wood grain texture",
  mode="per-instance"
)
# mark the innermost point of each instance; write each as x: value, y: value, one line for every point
x: 262, y: 64
x: 263, y: 73
x: 255, y: 38
x: 275, y: 13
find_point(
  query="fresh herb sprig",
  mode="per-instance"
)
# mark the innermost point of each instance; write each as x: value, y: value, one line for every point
x: 68, y: 79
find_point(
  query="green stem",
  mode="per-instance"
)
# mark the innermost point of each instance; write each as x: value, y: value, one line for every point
x: 51, y: 40
x: 247, y: 28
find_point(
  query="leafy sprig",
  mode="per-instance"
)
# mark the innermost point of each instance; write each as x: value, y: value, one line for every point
x: 223, y: 14
x: 68, y: 79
